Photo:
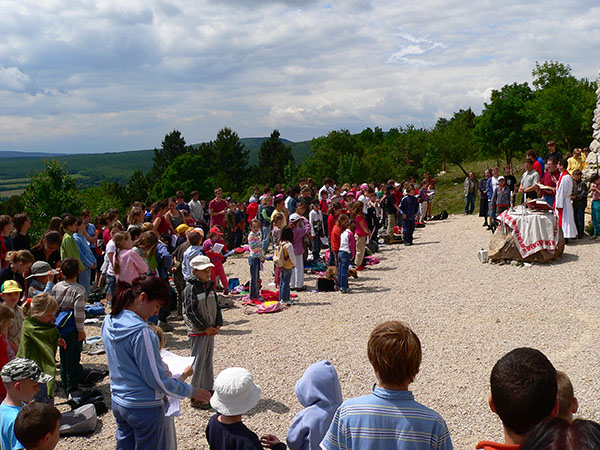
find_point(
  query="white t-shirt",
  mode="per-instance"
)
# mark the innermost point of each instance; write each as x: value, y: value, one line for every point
x: 110, y: 248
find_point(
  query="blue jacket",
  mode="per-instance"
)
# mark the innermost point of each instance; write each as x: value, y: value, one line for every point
x: 164, y: 260
x: 320, y: 393
x: 490, y: 188
x: 138, y: 378
x: 85, y: 253
x: 409, y: 206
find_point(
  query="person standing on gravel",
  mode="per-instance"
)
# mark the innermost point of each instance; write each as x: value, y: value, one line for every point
x: 138, y: 379
x: 470, y: 188
x: 483, y: 202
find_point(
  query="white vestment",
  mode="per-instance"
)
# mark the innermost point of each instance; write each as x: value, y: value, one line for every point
x: 564, y: 190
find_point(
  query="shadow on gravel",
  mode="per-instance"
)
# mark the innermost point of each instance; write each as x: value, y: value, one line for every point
x: 426, y: 243
x: 228, y: 332
x: 268, y: 404
x: 368, y: 289
x: 565, y: 258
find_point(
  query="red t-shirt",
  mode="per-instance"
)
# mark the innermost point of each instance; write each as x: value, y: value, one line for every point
x: 359, y: 230
x: 547, y: 181
x: 398, y: 196
x: 251, y: 211
x: 538, y: 168
x: 331, y: 219
x: 217, y: 206
x: 335, y: 237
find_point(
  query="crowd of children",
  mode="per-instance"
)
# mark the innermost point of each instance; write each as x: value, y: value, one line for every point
x: 44, y: 289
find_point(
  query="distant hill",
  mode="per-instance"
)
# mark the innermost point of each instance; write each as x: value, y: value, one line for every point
x: 90, y: 169
x: 11, y: 154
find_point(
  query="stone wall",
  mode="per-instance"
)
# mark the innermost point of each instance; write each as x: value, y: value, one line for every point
x: 594, y: 157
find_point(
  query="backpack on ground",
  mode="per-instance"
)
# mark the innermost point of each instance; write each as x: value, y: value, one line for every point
x: 373, y: 245
x: 81, y: 420
x: 325, y: 285
x: 95, y: 398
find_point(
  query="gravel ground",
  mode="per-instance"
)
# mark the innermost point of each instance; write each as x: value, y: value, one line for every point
x: 467, y: 315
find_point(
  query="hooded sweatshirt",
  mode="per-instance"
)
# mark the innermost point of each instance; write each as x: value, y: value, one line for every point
x: 138, y: 378
x: 320, y: 393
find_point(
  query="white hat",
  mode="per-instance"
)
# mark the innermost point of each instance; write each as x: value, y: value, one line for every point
x: 201, y: 262
x: 295, y: 217
x: 235, y: 392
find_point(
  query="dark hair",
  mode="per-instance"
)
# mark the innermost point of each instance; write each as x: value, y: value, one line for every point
x: 19, y: 220
x: 194, y: 193
x: 558, y: 434
x: 523, y: 384
x: 277, y: 201
x: 125, y: 294
x: 69, y: 268
x: 50, y: 237
x: 35, y: 421
x: 54, y: 224
x: 179, y: 194
x: 135, y: 233
x: 67, y: 222
x: 5, y: 220
x: 194, y: 238
x: 287, y: 234
x: 552, y: 160
x: 85, y: 213
x: 594, y: 177
x: 563, y: 162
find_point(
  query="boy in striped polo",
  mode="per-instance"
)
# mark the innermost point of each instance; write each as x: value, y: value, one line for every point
x: 389, y: 417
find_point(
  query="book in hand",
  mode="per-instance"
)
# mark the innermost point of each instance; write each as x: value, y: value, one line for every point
x: 544, y: 187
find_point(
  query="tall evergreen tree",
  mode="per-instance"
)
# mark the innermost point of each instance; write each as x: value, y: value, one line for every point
x: 173, y: 145
x: 273, y: 157
x: 228, y: 160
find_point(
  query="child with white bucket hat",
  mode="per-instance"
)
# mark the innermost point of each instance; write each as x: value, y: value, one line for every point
x: 235, y: 394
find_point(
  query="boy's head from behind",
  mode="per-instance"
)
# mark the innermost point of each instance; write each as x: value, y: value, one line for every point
x: 523, y: 385
x: 394, y: 351
x: 567, y: 403
x: 194, y: 238
x: 21, y: 377
x: 69, y: 267
x: 37, y: 426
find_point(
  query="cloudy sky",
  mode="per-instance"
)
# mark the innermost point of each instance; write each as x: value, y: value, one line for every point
x: 104, y: 75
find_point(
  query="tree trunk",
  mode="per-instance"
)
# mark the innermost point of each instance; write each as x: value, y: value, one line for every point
x: 462, y: 168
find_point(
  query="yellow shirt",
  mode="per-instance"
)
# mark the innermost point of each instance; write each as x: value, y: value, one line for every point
x: 279, y: 212
x: 575, y: 164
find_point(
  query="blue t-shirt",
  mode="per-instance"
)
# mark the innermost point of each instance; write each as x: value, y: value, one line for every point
x: 8, y: 415
x: 385, y: 419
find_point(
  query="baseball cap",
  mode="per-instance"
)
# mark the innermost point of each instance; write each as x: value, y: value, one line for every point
x: 501, y: 178
x: 23, y: 369
x: 216, y: 230
x: 295, y: 218
x: 10, y: 286
x: 182, y: 228
x: 201, y: 262
x: 40, y: 268
x: 198, y: 230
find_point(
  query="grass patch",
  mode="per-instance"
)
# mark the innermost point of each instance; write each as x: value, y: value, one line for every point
x: 449, y: 187
x: 7, y: 194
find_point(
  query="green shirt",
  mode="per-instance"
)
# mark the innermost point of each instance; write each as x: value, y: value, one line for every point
x: 69, y: 249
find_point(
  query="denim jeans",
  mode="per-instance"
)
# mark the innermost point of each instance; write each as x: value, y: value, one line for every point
x: 343, y: 266
x: 266, y: 233
x: 284, y: 286
x: 549, y: 199
x: 470, y: 203
x: 316, y: 243
x: 596, y: 217
x: 254, y: 277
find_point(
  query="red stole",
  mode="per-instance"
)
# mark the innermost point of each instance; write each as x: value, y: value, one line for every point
x: 560, y: 210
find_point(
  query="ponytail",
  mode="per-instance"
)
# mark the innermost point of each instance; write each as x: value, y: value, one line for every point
x: 40, y: 305
x: 119, y: 238
x: 125, y: 294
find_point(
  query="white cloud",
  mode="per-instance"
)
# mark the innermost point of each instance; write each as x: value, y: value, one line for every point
x: 120, y: 74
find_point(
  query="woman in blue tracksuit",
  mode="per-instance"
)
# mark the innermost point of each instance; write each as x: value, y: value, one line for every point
x: 138, y: 378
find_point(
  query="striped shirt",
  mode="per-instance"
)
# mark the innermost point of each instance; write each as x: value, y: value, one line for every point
x: 388, y: 420
x: 255, y: 244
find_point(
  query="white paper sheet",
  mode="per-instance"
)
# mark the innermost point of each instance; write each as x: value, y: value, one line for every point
x: 176, y: 364
x: 217, y: 247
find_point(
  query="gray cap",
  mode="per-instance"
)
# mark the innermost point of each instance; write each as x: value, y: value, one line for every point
x: 40, y: 268
x: 22, y: 369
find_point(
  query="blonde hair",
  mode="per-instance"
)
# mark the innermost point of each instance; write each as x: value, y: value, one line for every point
x: 119, y: 239
x: 136, y: 211
x: 162, y: 337
x: 20, y: 256
x: 277, y: 217
x: 40, y: 305
x: 6, y: 313
x: 147, y: 226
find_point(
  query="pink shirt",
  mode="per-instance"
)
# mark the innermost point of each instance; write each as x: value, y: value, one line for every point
x: 131, y: 265
x: 359, y: 230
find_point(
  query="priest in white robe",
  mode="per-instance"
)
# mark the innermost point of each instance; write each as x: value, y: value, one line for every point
x: 562, y: 203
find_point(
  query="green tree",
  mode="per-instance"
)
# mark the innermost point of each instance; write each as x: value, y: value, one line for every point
x: 12, y: 205
x: 562, y: 105
x: 51, y: 193
x: 503, y: 124
x: 228, y: 160
x: 350, y: 169
x: 138, y: 187
x: 455, y: 139
x: 273, y: 157
x: 326, y: 152
x: 187, y: 173
x: 173, y: 145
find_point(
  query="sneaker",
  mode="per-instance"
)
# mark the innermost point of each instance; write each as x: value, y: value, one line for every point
x: 345, y: 291
x: 593, y: 237
x: 300, y: 289
x: 165, y: 326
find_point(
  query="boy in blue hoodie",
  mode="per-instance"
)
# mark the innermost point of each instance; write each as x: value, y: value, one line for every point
x: 320, y: 393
